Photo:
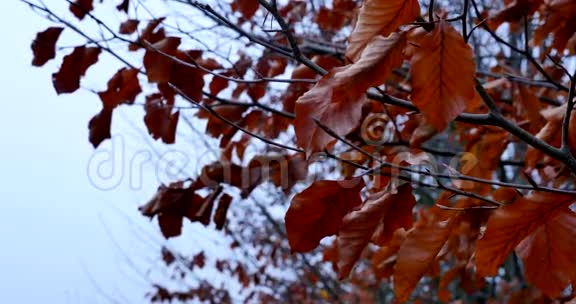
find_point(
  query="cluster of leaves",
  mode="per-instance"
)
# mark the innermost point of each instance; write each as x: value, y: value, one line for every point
x: 470, y: 162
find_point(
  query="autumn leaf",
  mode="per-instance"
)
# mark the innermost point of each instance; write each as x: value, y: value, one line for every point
x: 129, y: 26
x: 246, y: 7
x: 159, y: 120
x: 44, y: 45
x: 335, y: 101
x: 99, y: 127
x: 222, y: 210
x: 384, y: 259
x: 170, y: 224
x: 515, y: 11
x: 443, y: 71
x: 511, y: 224
x: 359, y: 226
x: 74, y: 66
x: 149, y: 34
x: 158, y: 65
x: 318, y: 211
x: 379, y: 17
x: 418, y: 252
x: 548, y: 253
x: 80, y: 8
x: 123, y: 87
x: 531, y: 106
x: 187, y: 78
x: 123, y: 6
x: 558, y: 22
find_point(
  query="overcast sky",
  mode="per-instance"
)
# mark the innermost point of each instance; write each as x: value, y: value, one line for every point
x: 64, y: 239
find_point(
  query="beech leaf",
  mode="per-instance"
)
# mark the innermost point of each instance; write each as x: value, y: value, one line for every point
x: 44, y: 45
x: 359, y: 226
x: 380, y: 17
x: 548, y: 254
x: 511, y: 224
x: 417, y: 253
x: 443, y: 71
x: 336, y: 100
x: 74, y: 66
x: 318, y: 211
x: 99, y: 127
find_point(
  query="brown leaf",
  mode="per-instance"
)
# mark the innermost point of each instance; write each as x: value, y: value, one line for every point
x: 443, y: 72
x: 548, y: 253
x: 80, y: 8
x: 123, y: 6
x: 123, y: 87
x: 159, y: 120
x: 74, y: 66
x: 317, y: 212
x: 149, y: 34
x: 246, y: 7
x: 44, y: 45
x: 397, y: 216
x: 186, y: 78
x: 158, y: 66
x: 359, y: 226
x: 167, y: 256
x: 514, y: 12
x: 380, y: 17
x: 329, y: 19
x: 199, y: 260
x: 221, y: 211
x: 384, y: 259
x: 336, y: 100
x: 417, y: 253
x: 512, y: 223
x: 531, y: 106
x: 129, y: 26
x: 174, y: 202
x: 170, y: 224
x: 99, y: 127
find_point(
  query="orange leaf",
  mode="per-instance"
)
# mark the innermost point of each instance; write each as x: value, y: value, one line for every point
x: 384, y: 259
x: 443, y: 72
x: 417, y: 253
x: 380, y: 17
x: 158, y: 66
x: 512, y: 223
x: 531, y: 106
x: 514, y: 12
x: 337, y: 97
x: 396, y: 217
x: 359, y: 226
x: 74, y: 66
x: 44, y: 45
x: 317, y: 212
x: 548, y: 253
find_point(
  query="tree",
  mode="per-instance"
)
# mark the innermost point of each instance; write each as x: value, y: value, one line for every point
x: 435, y: 138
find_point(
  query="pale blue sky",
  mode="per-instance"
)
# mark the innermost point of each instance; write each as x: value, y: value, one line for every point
x: 64, y: 240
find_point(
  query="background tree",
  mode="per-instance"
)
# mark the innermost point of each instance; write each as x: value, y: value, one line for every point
x: 427, y: 146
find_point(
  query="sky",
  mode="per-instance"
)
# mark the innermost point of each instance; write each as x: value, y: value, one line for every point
x: 71, y: 233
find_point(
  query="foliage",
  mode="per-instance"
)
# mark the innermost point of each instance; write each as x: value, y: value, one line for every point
x: 447, y: 124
